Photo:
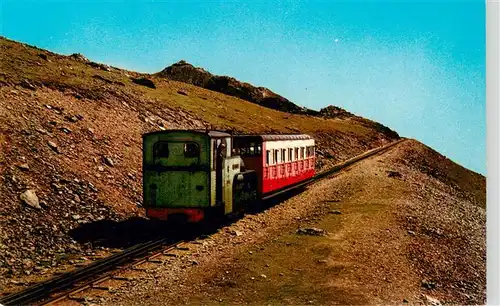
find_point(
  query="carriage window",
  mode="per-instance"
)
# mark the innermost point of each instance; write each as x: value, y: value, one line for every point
x: 191, y: 149
x: 302, y: 153
x: 276, y: 157
x: 296, y: 153
x: 290, y: 152
x: 251, y: 150
x: 283, y: 155
x: 268, y: 157
x: 160, y: 150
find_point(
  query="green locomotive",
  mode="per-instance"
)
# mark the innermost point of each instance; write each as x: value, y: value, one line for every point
x: 193, y: 174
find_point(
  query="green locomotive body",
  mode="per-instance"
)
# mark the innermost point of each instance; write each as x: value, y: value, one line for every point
x: 192, y: 174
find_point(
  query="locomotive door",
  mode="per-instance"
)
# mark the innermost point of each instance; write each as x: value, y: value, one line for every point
x: 231, y: 167
x: 220, y: 154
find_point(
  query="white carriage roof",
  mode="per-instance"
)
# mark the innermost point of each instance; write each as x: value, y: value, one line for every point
x: 277, y: 137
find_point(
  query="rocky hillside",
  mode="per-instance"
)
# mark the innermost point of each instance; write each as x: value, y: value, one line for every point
x: 70, y: 151
x: 187, y: 73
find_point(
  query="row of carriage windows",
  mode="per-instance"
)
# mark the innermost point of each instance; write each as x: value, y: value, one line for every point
x: 191, y: 149
x: 277, y: 156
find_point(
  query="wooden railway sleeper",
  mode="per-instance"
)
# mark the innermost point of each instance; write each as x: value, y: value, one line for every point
x: 122, y: 278
x: 78, y: 299
x: 135, y: 268
x: 97, y: 287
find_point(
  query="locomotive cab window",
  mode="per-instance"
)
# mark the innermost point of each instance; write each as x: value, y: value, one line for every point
x: 191, y: 149
x: 160, y: 150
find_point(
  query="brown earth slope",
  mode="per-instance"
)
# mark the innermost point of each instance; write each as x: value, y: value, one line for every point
x: 395, y: 233
x: 70, y: 132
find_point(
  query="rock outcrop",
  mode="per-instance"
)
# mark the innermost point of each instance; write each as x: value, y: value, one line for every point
x: 332, y: 111
x: 182, y: 71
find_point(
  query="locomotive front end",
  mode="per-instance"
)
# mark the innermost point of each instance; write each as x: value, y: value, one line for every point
x: 176, y: 175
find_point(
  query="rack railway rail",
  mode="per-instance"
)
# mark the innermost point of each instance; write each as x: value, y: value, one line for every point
x: 67, y: 285
x: 85, y: 277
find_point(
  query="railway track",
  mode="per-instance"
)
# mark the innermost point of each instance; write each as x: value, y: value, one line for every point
x: 83, y: 278
x: 67, y: 285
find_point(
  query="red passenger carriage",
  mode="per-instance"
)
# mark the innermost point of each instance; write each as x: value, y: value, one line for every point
x: 279, y: 160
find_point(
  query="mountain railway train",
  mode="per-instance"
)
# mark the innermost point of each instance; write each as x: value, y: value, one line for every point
x: 194, y: 174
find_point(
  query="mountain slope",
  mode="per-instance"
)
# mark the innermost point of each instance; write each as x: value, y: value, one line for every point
x: 70, y: 131
x: 187, y: 73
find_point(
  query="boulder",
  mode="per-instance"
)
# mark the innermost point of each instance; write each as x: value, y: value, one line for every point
x: 53, y: 146
x: 144, y: 82
x: 29, y: 198
x: 394, y: 174
x: 79, y: 57
x: 311, y: 231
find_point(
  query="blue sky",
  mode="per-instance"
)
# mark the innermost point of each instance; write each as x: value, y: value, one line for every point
x: 417, y: 67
